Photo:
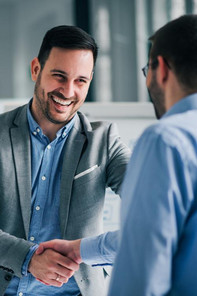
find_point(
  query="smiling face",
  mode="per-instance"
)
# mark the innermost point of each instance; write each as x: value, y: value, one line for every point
x: 61, y: 86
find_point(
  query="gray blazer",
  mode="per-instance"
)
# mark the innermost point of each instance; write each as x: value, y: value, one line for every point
x: 94, y: 159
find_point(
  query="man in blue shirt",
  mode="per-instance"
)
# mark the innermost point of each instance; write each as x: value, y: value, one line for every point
x: 157, y: 254
x: 55, y: 166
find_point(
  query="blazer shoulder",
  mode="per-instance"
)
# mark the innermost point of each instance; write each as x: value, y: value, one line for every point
x: 9, y: 117
x: 94, y: 125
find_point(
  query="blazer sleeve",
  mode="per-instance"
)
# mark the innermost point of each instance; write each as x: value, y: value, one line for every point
x: 13, y: 252
x: 118, y: 158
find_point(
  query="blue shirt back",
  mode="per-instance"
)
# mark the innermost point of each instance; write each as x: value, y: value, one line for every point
x: 158, y: 248
x: 46, y: 164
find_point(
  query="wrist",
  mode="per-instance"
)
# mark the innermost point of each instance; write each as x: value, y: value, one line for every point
x: 76, y: 250
x: 25, y: 267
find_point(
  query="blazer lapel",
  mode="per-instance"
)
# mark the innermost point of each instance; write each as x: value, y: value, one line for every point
x: 22, y: 157
x: 74, y: 146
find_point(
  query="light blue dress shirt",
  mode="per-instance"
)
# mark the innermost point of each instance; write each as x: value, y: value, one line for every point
x: 47, y: 158
x: 157, y: 254
x: 158, y: 248
x: 100, y: 250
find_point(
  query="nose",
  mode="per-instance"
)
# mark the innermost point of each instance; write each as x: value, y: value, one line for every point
x: 69, y: 89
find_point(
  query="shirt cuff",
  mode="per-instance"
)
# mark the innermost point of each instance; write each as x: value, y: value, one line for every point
x: 100, y: 250
x: 27, y: 259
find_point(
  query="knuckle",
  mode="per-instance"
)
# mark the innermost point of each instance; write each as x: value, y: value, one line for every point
x: 64, y: 280
x: 50, y: 266
x: 70, y: 273
x: 70, y: 264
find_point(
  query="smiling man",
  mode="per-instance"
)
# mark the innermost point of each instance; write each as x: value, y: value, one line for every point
x: 61, y: 87
x: 55, y: 166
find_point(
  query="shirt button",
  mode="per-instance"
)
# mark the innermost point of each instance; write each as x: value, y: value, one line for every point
x: 38, y: 130
x: 32, y: 238
x: 43, y: 178
x: 35, y: 133
x: 49, y: 147
x: 20, y: 294
x: 37, y: 208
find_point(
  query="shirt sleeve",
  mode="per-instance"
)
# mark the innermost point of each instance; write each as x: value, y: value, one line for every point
x: 154, y: 209
x: 100, y: 250
x: 27, y: 259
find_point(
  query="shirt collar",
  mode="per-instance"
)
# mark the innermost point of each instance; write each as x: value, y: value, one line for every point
x: 185, y: 104
x: 36, y: 129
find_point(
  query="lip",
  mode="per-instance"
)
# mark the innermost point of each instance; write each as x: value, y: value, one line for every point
x: 61, y: 104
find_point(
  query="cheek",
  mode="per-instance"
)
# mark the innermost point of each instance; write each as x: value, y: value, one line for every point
x: 82, y: 93
x: 49, y: 85
x: 148, y: 79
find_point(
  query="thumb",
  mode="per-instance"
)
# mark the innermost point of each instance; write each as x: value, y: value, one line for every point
x: 43, y: 246
x: 40, y: 249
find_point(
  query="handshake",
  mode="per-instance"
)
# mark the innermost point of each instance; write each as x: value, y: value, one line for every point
x: 55, y: 261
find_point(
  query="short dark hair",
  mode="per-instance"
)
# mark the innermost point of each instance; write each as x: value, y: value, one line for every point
x: 68, y: 37
x: 177, y: 43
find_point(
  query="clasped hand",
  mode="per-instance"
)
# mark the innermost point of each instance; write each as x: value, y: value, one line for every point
x: 55, y: 261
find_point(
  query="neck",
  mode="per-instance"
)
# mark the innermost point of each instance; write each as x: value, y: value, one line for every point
x: 50, y: 129
x: 174, y: 93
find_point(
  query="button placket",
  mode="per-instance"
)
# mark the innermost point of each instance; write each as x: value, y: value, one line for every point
x: 42, y: 187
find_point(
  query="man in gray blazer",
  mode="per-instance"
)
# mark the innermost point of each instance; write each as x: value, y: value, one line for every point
x: 54, y: 168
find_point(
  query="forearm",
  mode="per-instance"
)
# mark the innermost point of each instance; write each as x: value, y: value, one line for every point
x: 99, y: 250
x: 118, y: 158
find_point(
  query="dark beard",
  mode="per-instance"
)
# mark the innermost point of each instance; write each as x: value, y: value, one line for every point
x: 157, y: 98
x: 44, y: 109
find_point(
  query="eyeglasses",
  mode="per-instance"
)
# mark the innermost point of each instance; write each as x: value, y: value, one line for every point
x: 154, y: 63
x: 145, y: 69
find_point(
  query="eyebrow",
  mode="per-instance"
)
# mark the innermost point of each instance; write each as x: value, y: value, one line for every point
x: 66, y: 74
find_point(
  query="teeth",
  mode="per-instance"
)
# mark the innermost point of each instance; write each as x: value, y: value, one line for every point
x: 64, y: 103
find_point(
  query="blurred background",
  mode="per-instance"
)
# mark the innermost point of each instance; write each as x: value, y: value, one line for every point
x: 120, y: 27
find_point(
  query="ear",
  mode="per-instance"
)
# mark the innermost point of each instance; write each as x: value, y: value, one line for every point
x: 163, y: 72
x: 91, y: 77
x: 35, y: 69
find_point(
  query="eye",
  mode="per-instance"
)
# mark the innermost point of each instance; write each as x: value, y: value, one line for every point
x: 59, y: 76
x: 81, y: 80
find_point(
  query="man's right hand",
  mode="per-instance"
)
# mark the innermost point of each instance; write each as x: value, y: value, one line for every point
x: 52, y: 268
x: 68, y: 248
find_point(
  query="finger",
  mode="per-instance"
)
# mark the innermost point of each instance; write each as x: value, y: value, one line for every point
x: 42, y: 282
x: 54, y: 282
x: 61, y: 279
x: 67, y: 263
x: 64, y: 272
